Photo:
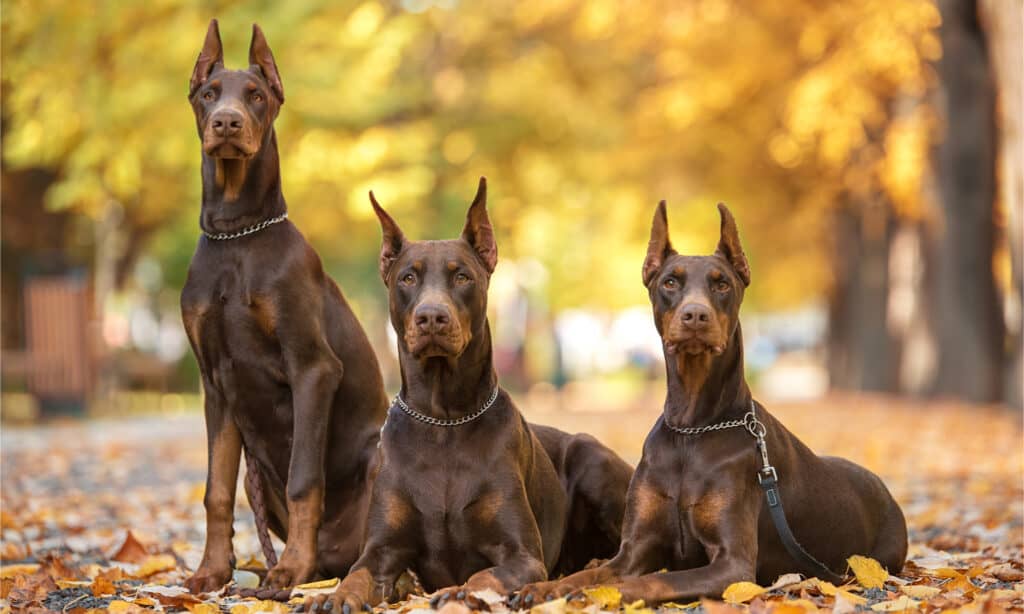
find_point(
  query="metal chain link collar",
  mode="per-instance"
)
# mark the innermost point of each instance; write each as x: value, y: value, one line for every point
x: 437, y: 421
x: 223, y: 236
x: 749, y: 420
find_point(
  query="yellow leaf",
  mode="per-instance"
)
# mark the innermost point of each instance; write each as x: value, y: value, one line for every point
x: 9, y: 571
x: 854, y: 599
x: 741, y: 592
x: 240, y: 609
x: 606, y: 597
x: 869, y: 572
x: 920, y: 591
x: 202, y: 608
x: 556, y: 606
x: 637, y: 607
x: 672, y: 605
x: 794, y: 606
x: 155, y: 564
x: 896, y: 605
x: 320, y: 584
x: 268, y: 605
x: 119, y: 606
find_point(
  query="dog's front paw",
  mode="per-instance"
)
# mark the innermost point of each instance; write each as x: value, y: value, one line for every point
x: 208, y: 578
x: 341, y: 602
x: 458, y: 594
x: 537, y: 593
x: 292, y: 569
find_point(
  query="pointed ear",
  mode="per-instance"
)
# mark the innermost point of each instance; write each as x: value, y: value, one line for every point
x: 211, y: 56
x: 260, y: 55
x: 659, y: 248
x: 393, y: 240
x: 729, y: 245
x: 478, y: 232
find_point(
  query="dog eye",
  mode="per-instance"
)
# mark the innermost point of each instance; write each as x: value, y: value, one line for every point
x: 409, y: 279
x: 722, y: 286
x: 670, y: 284
x: 461, y: 278
x: 257, y: 97
x: 208, y: 95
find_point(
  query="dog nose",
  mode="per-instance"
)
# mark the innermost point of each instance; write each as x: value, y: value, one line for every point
x: 432, y: 318
x: 696, y: 316
x: 227, y: 122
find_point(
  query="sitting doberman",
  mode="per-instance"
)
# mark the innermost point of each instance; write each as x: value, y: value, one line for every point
x: 468, y: 495
x: 704, y: 503
x: 288, y: 373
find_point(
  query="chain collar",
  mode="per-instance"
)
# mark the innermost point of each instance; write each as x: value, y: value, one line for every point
x: 223, y: 236
x: 437, y: 421
x: 749, y: 421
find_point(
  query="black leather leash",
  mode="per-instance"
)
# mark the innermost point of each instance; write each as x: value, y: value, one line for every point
x: 769, y: 481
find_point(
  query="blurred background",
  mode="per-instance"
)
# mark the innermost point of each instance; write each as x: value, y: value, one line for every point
x: 871, y: 152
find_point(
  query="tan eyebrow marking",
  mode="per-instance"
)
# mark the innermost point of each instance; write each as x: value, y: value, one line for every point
x: 716, y: 274
x: 215, y: 83
x: 417, y: 264
x: 452, y: 265
x: 679, y: 270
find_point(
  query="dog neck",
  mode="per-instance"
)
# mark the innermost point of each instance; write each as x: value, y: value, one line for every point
x: 703, y: 388
x: 447, y: 388
x: 238, y: 193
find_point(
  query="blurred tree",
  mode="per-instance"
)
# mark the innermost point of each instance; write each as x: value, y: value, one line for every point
x: 968, y: 318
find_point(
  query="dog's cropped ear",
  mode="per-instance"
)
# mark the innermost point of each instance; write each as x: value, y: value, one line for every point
x: 211, y: 56
x: 393, y: 239
x: 260, y: 55
x: 729, y: 245
x: 478, y: 231
x: 659, y: 248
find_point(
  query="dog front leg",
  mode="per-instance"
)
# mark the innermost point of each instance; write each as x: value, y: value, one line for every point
x: 313, y: 388
x: 224, y: 451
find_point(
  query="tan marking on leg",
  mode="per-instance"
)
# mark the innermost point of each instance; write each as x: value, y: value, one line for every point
x: 487, y: 507
x: 396, y: 511
x: 707, y: 514
x: 646, y: 502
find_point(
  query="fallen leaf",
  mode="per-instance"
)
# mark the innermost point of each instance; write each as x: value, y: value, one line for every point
x: 319, y: 584
x: 843, y: 605
x: 795, y: 606
x: 717, y: 607
x: 102, y: 586
x: 130, y: 550
x: 606, y: 597
x: 247, y: 579
x: 920, y: 591
x: 741, y: 592
x: 784, y: 580
x: 637, y: 607
x: 202, y: 608
x: 156, y: 564
x: 869, y: 572
x: 896, y: 605
x: 1006, y: 572
x: 24, y: 569
x: 555, y: 606
x: 672, y: 605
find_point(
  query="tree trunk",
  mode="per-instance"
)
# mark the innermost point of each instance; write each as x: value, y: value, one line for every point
x: 968, y: 319
x: 862, y: 352
x: 1004, y: 22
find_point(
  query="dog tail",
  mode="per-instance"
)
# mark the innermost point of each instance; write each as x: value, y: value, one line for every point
x: 254, y: 482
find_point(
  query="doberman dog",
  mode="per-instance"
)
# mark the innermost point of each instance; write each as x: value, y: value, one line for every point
x: 288, y: 373
x: 468, y: 495
x: 695, y: 506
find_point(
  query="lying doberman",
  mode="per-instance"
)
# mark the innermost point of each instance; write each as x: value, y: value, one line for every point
x: 703, y: 499
x: 288, y: 373
x: 468, y: 495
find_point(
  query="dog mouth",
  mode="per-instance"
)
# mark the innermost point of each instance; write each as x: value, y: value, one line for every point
x: 693, y: 345
x: 228, y: 149
x: 423, y: 346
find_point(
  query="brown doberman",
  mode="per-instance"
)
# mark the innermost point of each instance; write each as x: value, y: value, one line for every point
x: 288, y: 373
x: 468, y: 495
x: 695, y: 506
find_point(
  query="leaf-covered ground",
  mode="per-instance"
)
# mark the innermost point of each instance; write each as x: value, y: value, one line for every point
x: 107, y: 514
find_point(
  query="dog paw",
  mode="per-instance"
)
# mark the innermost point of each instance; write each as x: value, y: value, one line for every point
x: 536, y: 594
x: 208, y: 579
x: 458, y: 594
x: 341, y: 602
x: 288, y: 573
